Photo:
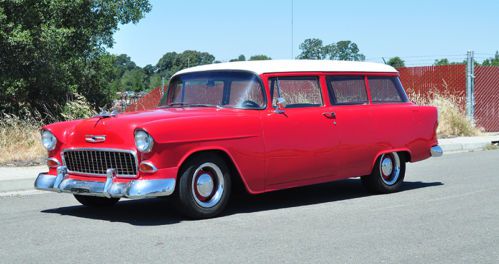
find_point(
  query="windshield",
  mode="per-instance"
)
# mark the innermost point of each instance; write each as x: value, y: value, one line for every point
x: 215, y: 89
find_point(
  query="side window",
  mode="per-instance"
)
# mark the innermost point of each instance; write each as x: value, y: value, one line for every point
x: 297, y: 91
x: 386, y: 89
x: 347, y: 90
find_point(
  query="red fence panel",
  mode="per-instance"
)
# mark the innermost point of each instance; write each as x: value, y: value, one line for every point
x: 149, y: 101
x: 487, y: 97
x: 448, y: 79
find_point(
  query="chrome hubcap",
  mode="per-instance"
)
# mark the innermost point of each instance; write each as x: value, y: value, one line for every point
x: 387, y: 166
x: 204, y: 185
x: 390, y: 168
x: 207, y: 185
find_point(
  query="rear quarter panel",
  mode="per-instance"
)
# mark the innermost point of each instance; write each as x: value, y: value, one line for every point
x: 404, y: 127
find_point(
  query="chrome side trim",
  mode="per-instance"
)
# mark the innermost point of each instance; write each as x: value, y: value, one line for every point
x: 436, y: 151
x: 134, y: 189
x: 133, y: 152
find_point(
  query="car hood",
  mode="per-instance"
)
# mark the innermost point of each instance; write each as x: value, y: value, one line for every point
x: 119, y: 130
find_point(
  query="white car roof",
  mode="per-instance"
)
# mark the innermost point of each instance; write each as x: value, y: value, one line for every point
x: 276, y: 66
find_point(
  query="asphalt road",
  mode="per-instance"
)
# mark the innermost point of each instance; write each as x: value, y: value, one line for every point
x: 448, y: 212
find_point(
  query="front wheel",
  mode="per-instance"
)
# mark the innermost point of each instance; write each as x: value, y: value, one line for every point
x: 387, y: 175
x: 204, y: 186
x: 92, y: 201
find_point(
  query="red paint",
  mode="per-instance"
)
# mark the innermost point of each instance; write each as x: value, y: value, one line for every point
x: 271, y: 151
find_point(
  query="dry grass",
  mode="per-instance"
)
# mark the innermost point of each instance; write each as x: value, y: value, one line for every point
x: 491, y: 147
x: 452, y: 119
x: 20, y: 141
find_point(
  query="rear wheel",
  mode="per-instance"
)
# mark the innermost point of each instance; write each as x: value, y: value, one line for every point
x: 204, y: 186
x: 92, y: 201
x: 388, y: 174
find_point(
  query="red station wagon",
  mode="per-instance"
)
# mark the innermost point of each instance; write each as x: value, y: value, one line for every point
x: 269, y: 125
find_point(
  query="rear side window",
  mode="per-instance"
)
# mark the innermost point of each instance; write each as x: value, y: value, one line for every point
x: 386, y: 90
x: 347, y: 90
x: 297, y: 91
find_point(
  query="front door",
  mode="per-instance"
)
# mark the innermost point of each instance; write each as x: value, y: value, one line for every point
x: 300, y: 142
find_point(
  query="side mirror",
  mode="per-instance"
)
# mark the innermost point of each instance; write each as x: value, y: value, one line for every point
x: 280, y: 105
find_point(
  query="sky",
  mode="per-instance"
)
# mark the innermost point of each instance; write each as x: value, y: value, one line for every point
x: 418, y: 31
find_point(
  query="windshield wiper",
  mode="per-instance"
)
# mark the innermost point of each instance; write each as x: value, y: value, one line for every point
x: 190, y: 105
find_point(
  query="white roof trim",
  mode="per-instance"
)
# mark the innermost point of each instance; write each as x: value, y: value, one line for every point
x: 276, y: 66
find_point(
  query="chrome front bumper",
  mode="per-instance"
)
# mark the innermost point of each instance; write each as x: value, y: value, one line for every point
x: 110, y: 189
x: 436, y: 151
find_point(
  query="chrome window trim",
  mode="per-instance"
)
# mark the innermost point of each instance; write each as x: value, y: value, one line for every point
x: 133, y: 152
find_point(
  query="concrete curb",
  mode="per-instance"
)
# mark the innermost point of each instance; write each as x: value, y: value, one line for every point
x: 463, y: 144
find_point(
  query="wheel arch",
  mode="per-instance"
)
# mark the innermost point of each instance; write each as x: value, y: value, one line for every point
x: 238, y: 179
x: 404, y: 153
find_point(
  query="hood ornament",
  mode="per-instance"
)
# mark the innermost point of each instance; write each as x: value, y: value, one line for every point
x: 95, y: 138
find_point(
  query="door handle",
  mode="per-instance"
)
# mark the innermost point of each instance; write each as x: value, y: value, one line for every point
x: 330, y: 115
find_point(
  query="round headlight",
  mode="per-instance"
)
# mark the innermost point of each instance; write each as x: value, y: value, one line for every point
x: 143, y: 141
x: 48, y: 140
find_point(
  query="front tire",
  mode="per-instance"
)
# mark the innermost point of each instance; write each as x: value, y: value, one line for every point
x: 204, y: 187
x: 92, y: 201
x: 387, y: 175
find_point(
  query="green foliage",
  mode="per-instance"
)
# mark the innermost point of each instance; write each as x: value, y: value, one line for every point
x: 240, y: 58
x: 259, y: 57
x: 396, y: 62
x: 77, y: 108
x: 172, y: 62
x: 445, y: 61
x: 314, y: 49
x: 492, y: 61
x: 53, y: 48
x: 345, y: 50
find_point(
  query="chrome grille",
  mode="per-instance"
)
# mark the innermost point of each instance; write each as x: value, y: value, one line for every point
x: 97, y: 161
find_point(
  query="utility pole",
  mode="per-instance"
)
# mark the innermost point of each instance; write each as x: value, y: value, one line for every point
x: 162, y: 86
x: 470, y: 86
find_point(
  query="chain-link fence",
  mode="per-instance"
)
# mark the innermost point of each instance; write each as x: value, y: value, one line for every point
x: 487, y: 97
x: 451, y: 80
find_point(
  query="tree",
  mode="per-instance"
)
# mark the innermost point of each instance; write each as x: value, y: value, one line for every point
x: 445, y: 61
x: 173, y: 62
x: 51, y: 49
x: 492, y: 61
x: 342, y: 50
x: 312, y: 49
x: 134, y: 80
x: 240, y: 58
x: 260, y: 57
x: 396, y: 62
x: 345, y: 50
x: 441, y: 62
